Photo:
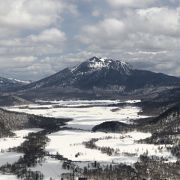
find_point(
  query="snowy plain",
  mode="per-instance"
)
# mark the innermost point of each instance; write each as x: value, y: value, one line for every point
x: 17, y: 140
x: 50, y: 168
x: 85, y: 114
x: 7, y: 177
x: 71, y: 143
x: 10, y: 142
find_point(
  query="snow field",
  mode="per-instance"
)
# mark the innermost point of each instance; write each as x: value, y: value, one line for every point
x: 70, y: 145
x: 84, y: 115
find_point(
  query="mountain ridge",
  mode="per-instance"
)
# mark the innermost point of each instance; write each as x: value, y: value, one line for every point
x: 100, y: 77
x: 9, y: 84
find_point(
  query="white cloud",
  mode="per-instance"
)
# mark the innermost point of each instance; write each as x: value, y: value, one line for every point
x: 32, y: 14
x: 31, y: 30
x: 147, y: 29
x: 130, y: 3
x: 107, y: 29
x: 162, y: 20
x: 27, y: 14
x: 25, y: 59
x: 96, y: 13
x: 52, y: 35
x: 49, y: 41
x: 148, y: 35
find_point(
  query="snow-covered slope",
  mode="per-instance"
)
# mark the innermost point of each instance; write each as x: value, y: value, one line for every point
x: 96, y: 64
x: 23, y: 82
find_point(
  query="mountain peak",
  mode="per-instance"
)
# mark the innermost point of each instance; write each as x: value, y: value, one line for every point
x: 102, y: 75
x: 105, y: 60
x: 99, y: 63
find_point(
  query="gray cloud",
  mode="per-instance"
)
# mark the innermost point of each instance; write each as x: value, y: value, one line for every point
x: 150, y: 34
x: 41, y: 37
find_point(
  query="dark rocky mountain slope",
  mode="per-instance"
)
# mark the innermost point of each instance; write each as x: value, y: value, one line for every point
x: 99, y: 78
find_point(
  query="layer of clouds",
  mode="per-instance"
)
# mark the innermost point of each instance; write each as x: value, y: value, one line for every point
x: 41, y: 37
x: 148, y: 37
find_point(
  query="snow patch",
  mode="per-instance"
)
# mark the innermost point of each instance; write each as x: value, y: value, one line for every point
x: 9, y: 157
x: 70, y: 144
x: 7, y: 177
x: 50, y: 168
x: 17, y: 140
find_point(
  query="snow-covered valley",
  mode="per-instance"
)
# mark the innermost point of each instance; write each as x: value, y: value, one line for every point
x: 77, y: 143
x: 85, y: 114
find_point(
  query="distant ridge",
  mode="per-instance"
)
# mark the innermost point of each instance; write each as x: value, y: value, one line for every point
x: 9, y: 84
x: 100, y: 77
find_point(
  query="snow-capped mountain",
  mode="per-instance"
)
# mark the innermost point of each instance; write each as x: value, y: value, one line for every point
x: 94, y: 72
x: 101, y: 75
x: 98, y: 64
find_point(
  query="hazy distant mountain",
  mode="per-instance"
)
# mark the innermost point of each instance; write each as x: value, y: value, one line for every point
x: 9, y: 84
x: 99, y: 75
x: 12, y: 100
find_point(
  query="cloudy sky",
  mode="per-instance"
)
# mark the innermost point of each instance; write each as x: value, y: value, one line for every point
x: 41, y: 37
